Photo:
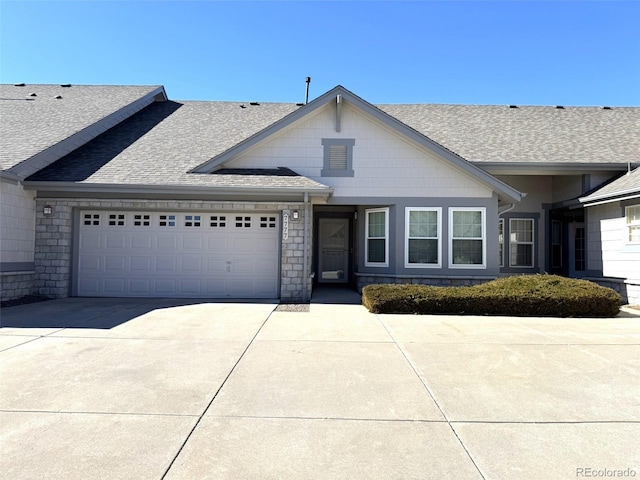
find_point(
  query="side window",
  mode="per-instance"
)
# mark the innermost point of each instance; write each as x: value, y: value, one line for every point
x: 467, y: 238
x: 501, y: 242
x: 377, y: 237
x: 633, y: 224
x: 422, y: 237
x: 337, y: 157
x: 521, y: 242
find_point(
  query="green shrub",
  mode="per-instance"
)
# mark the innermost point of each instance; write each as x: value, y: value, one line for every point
x: 523, y: 296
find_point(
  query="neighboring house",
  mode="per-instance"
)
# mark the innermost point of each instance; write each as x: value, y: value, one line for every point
x: 118, y: 191
x: 613, y: 230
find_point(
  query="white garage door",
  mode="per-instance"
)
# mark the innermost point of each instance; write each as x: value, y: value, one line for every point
x: 171, y: 254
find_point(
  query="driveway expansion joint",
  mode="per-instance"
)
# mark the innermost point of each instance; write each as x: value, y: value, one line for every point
x: 201, y: 416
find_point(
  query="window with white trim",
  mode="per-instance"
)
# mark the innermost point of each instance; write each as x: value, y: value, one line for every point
x: 377, y: 237
x: 467, y: 233
x: 521, y: 242
x: 422, y: 237
x: 501, y: 241
x: 632, y: 215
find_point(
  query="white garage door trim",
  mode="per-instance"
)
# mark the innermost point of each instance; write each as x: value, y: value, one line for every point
x: 178, y: 254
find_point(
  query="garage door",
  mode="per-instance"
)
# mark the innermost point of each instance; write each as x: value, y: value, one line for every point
x: 173, y: 254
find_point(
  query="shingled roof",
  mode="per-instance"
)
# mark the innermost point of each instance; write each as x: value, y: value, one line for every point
x: 626, y: 186
x: 37, y: 118
x: 162, y: 143
x: 159, y: 146
x: 528, y: 134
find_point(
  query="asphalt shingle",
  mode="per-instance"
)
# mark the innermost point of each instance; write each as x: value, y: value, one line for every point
x: 628, y: 184
x: 528, y: 134
x: 31, y: 123
x: 161, y: 144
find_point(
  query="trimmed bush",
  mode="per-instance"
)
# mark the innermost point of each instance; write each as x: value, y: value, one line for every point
x: 521, y: 296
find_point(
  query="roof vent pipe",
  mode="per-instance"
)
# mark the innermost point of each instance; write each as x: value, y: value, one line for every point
x: 306, y: 98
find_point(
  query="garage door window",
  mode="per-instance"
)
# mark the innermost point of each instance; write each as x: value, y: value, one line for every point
x: 243, y: 222
x: 267, y: 222
x: 116, y: 220
x: 217, y: 221
x: 192, y: 220
x: 167, y: 221
x: 140, y: 220
x: 92, y: 219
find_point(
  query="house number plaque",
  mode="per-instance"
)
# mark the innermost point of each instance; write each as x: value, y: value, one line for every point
x: 285, y: 226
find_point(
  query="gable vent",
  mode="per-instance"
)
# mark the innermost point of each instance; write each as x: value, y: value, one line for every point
x: 338, y: 157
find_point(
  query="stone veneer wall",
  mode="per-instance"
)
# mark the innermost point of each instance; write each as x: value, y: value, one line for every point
x: 54, y: 239
x: 15, y: 285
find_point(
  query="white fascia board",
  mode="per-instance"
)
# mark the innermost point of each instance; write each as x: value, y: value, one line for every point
x: 168, y: 189
x: 55, y: 152
x: 593, y: 200
x: 547, y: 168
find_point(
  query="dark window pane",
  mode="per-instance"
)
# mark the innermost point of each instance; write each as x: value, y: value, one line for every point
x: 376, y: 250
x: 467, y: 252
x: 423, y: 251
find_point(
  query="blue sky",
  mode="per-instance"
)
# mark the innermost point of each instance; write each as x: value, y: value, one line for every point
x: 479, y: 52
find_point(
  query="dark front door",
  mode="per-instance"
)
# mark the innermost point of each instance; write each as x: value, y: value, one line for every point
x: 333, y: 250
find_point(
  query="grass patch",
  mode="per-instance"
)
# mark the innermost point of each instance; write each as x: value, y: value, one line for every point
x: 521, y: 296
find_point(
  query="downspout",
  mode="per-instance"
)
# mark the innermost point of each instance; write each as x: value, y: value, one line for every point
x: 305, y: 270
x: 508, y: 209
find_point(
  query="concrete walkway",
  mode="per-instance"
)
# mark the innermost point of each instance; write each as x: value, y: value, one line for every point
x: 159, y: 389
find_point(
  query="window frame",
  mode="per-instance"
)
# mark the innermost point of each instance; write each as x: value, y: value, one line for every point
x: 514, y: 243
x: 483, y: 238
x: 327, y: 171
x: 501, y: 242
x: 407, y: 236
x: 367, y: 263
x: 628, y: 225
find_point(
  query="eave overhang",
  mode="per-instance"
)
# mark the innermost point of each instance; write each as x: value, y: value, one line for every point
x: 549, y: 168
x: 593, y: 200
x: 195, y: 191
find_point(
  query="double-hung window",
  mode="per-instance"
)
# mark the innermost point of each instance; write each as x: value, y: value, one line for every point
x: 632, y: 215
x: 377, y: 237
x: 467, y: 237
x: 521, y: 242
x: 423, y: 234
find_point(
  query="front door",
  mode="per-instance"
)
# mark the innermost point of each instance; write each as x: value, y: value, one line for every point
x: 333, y: 250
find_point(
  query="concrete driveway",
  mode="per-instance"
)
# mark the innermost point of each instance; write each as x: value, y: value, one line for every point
x: 159, y: 389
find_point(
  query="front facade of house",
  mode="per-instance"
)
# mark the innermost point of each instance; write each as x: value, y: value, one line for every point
x: 232, y: 200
